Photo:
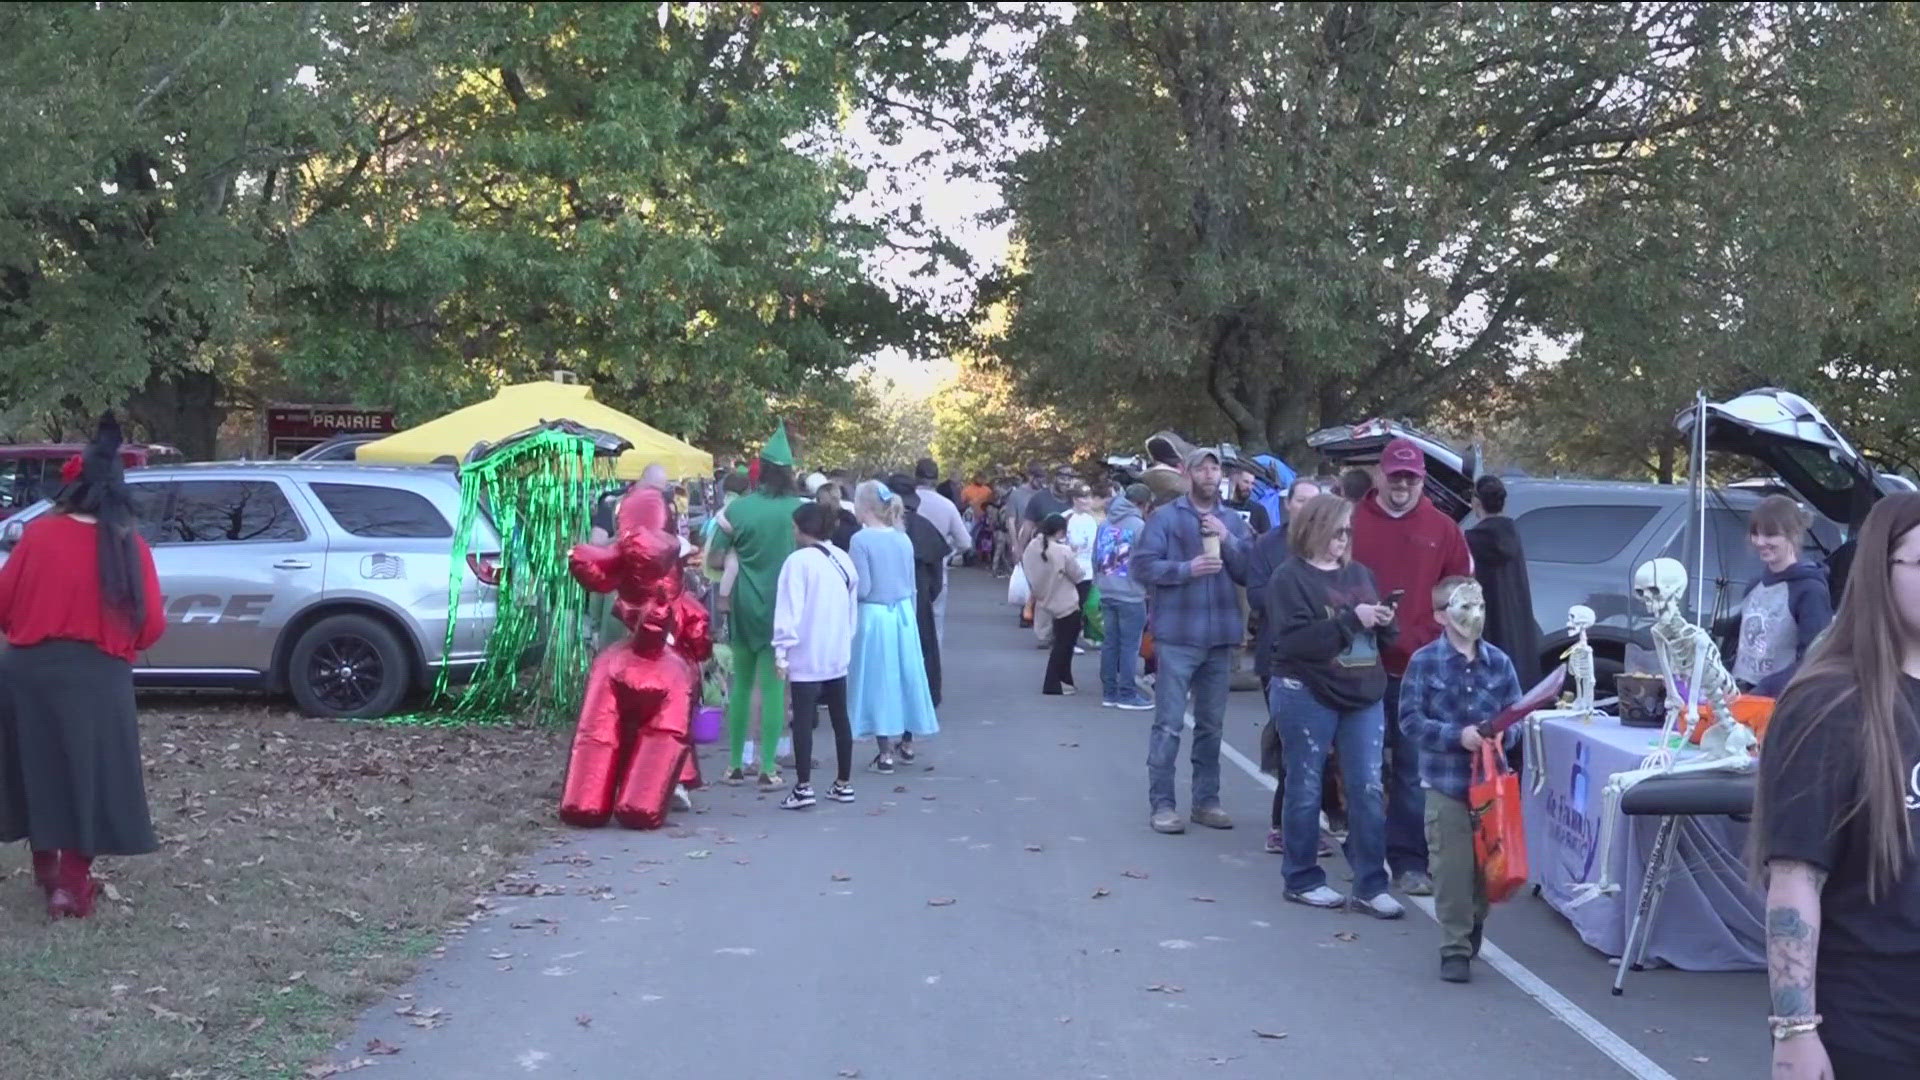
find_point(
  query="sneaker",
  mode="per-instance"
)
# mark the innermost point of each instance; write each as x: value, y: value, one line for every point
x: 1380, y: 907
x: 840, y: 792
x: 1069, y: 689
x: 1456, y: 969
x: 770, y: 781
x: 799, y: 798
x: 1212, y: 817
x: 1275, y: 845
x: 1337, y: 825
x: 1168, y: 821
x: 682, y: 800
x: 734, y: 777
x: 1414, y: 883
x: 1136, y: 703
x: 882, y: 764
x: 904, y: 751
x: 1107, y: 702
x: 1078, y: 651
x: 1319, y: 896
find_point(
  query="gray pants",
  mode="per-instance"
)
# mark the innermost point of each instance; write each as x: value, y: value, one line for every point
x: 1459, y: 900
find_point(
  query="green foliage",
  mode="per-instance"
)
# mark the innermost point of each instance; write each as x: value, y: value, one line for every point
x: 410, y: 203
x: 1307, y: 214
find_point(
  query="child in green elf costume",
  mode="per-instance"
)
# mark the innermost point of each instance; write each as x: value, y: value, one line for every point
x: 758, y: 529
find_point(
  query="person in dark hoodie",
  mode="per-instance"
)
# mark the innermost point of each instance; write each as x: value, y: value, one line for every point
x: 930, y: 551
x: 1787, y: 608
x: 1500, y: 565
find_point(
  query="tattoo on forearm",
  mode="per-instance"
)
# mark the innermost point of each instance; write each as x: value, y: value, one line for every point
x: 1792, y: 946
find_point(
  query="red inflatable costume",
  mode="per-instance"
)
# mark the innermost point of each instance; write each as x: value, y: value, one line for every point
x: 631, y: 747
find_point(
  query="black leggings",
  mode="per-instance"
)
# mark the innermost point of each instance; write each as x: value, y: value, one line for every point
x: 1066, y: 633
x: 807, y: 699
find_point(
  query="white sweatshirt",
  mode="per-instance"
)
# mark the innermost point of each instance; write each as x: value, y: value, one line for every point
x: 814, y: 612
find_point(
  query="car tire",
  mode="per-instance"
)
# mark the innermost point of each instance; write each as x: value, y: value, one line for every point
x: 348, y: 667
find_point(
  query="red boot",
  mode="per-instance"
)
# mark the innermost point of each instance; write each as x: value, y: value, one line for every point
x: 72, y: 894
x: 44, y: 864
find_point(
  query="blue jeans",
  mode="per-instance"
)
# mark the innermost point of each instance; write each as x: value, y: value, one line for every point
x: 1120, y: 652
x: 1309, y: 731
x: 1406, y: 801
x: 1181, y: 670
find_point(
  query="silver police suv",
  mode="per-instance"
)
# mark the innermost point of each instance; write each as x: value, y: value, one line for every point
x: 328, y: 581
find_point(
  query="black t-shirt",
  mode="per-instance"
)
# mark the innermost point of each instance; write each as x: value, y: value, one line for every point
x: 1045, y: 502
x: 1252, y: 511
x: 1867, y: 980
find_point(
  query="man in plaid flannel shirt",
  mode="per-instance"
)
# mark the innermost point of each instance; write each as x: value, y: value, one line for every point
x: 1452, y: 686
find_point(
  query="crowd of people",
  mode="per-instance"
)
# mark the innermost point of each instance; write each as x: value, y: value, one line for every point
x: 1383, y: 635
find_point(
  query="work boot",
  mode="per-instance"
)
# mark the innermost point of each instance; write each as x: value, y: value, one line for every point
x: 1456, y: 969
x: 1212, y: 817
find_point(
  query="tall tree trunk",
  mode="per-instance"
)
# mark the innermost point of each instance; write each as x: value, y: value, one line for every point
x: 1667, y: 461
x: 181, y: 408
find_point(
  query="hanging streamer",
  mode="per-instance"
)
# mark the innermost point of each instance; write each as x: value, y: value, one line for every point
x: 539, y: 493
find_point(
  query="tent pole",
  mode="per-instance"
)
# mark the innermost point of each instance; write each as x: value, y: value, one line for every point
x: 1699, y: 471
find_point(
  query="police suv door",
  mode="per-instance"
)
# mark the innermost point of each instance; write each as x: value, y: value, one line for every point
x: 236, y: 558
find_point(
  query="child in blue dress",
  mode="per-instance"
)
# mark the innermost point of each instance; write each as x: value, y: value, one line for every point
x: 887, y: 690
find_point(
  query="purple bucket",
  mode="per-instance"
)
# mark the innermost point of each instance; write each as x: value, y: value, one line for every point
x: 706, y: 724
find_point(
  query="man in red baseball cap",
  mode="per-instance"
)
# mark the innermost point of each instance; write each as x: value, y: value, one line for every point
x: 1410, y: 545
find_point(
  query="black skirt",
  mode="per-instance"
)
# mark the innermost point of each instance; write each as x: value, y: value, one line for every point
x: 70, y: 752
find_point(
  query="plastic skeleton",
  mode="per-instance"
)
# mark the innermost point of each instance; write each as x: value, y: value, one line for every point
x: 1727, y: 746
x: 1579, y: 658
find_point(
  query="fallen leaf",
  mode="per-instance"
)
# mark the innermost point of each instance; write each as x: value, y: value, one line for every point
x: 321, y: 1072
x: 1065, y: 1019
x: 941, y: 901
x: 499, y: 954
x: 1035, y: 847
x: 111, y: 893
x: 583, y: 1020
x: 929, y: 798
x: 255, y: 1024
x: 1070, y: 744
x: 382, y: 1049
x: 899, y: 789
x: 1270, y: 1034
x: 1701, y: 1060
x: 1102, y: 892
x: 1137, y: 875
x: 1204, y: 900
x: 701, y: 854
x: 1346, y: 935
x: 850, y: 1074
x: 164, y: 1013
x: 843, y: 877
x: 1164, y: 988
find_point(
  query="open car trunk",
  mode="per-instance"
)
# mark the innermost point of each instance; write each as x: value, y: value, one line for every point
x: 1784, y: 432
x: 1450, y: 472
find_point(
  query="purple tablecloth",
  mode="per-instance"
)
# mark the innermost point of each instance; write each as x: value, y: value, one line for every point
x: 1711, y: 918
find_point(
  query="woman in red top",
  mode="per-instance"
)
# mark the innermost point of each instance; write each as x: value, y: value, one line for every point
x: 78, y: 601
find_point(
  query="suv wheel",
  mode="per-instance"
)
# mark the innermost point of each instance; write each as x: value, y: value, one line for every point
x: 348, y: 666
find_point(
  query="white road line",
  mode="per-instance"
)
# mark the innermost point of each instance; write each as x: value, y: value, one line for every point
x: 1637, y: 1064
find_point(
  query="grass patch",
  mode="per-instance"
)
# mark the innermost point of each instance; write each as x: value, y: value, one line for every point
x: 307, y: 866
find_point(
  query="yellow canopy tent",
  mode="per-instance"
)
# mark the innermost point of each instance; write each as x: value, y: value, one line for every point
x: 516, y: 408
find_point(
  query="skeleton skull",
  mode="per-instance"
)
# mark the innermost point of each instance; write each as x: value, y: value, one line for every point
x: 1661, y: 584
x: 1580, y: 618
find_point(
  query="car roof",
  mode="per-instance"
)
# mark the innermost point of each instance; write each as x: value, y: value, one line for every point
x: 52, y: 448
x: 306, y: 470
x: 1530, y: 488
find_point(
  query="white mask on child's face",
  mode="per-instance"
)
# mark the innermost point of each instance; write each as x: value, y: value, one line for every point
x: 1466, y: 611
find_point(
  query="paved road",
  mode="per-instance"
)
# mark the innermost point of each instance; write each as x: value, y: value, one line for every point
x: 747, y: 940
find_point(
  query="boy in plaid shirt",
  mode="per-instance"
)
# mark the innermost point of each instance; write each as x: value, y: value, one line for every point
x: 1452, y: 686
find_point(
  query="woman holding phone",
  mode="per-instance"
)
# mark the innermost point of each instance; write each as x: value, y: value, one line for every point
x: 1329, y: 625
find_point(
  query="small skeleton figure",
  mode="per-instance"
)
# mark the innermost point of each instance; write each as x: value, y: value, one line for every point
x: 1579, y: 658
x: 1681, y: 646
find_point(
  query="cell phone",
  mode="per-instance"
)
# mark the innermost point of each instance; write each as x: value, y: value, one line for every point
x: 1393, y: 598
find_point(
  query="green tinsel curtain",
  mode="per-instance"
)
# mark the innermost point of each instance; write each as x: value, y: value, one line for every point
x: 539, y: 493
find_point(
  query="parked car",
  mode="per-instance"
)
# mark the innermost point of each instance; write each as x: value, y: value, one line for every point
x: 338, y: 448
x: 326, y: 581
x: 1584, y: 538
x: 31, y: 471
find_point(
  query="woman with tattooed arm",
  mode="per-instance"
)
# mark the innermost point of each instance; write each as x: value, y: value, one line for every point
x: 1834, y: 826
